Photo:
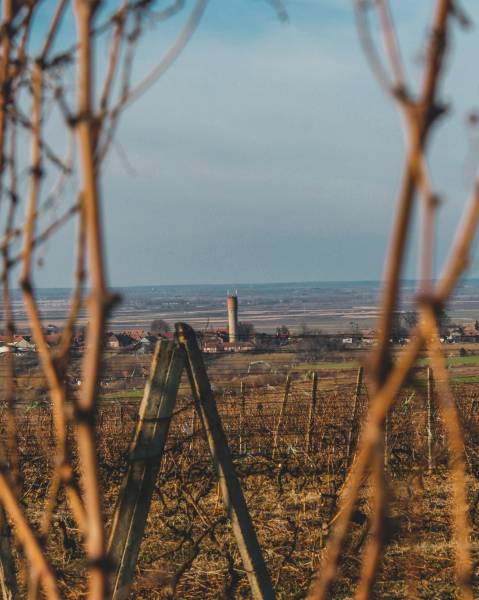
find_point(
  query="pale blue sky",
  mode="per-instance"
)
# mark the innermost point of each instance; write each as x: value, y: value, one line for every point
x: 268, y: 152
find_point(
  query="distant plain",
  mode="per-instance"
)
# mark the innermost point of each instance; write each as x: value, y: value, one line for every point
x: 326, y: 306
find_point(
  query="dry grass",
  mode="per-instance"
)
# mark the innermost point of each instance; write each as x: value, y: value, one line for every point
x: 188, y: 550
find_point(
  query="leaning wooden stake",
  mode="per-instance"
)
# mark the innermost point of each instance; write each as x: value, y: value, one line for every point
x: 354, y: 419
x: 312, y: 410
x: 232, y: 493
x: 279, y: 425
x: 145, y: 455
x: 429, y: 398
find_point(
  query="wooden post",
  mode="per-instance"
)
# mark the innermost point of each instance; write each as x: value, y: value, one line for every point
x: 241, y: 419
x: 145, y: 455
x: 282, y: 411
x: 429, y: 400
x: 354, y: 426
x: 232, y: 493
x: 312, y: 410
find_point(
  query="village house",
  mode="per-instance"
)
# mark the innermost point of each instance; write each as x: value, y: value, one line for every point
x: 23, y: 343
x: 136, y: 334
x: 239, y: 346
x: 19, y: 343
x: 470, y: 334
x: 213, y: 346
x: 120, y: 340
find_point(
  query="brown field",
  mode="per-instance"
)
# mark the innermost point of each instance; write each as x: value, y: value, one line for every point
x: 189, y: 551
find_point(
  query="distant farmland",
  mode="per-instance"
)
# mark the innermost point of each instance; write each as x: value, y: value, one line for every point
x: 329, y: 307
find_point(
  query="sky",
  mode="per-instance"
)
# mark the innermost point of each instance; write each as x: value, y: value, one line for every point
x: 269, y: 153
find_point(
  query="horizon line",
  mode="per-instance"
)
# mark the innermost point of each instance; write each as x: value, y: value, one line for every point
x: 245, y: 283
